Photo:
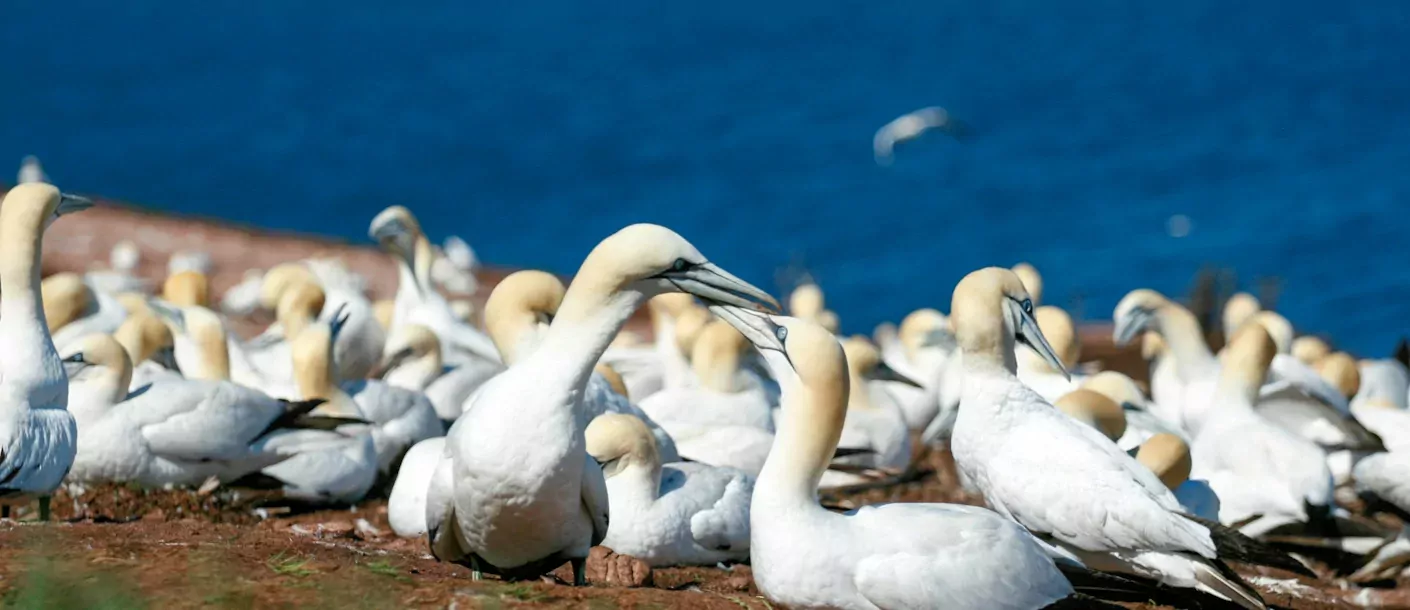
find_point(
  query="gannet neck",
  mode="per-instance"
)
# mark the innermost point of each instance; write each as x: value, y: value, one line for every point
x: 414, y: 352
x: 186, y: 289
x: 280, y: 279
x: 1181, y: 332
x: 627, y: 450
x: 584, y: 326
x: 424, y: 257
x: 716, y: 356
x: 141, y: 335
x: 1245, y: 367
x: 312, y: 354
x: 1239, y: 309
x: 207, y: 333
x: 105, y: 374
x: 298, y: 307
x: 862, y: 359
x: 517, y: 307
x: 29, y: 361
x: 814, y: 410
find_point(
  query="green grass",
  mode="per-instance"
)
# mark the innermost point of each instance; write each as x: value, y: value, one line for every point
x: 385, y: 568
x: 289, y: 566
x: 521, y: 592
x: 48, y: 586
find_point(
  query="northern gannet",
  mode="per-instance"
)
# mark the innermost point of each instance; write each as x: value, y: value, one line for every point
x: 910, y: 126
x: 1185, y: 373
x: 677, y: 514
x: 412, y: 360
x: 1310, y: 349
x: 523, y: 497
x: 1063, y: 480
x: 1237, y: 310
x: 172, y: 431
x: 1168, y: 456
x: 1257, y: 467
x: 148, y: 343
x: 397, y: 231
x: 886, y: 556
x: 454, y: 267
x: 874, y: 419
x: 38, y: 438
x: 1141, y: 424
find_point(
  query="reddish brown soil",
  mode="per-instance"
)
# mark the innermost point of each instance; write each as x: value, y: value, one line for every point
x: 120, y: 547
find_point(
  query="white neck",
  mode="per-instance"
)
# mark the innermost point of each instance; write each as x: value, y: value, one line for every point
x: 1186, y: 343
x: 639, y: 483
x: 807, y: 437
x: 29, y: 360
x: 585, y: 325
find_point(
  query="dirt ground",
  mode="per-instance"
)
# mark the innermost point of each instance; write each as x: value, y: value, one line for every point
x: 122, y: 547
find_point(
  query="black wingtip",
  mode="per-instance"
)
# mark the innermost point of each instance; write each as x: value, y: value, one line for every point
x: 258, y: 480
x: 1233, y: 545
x: 850, y: 451
x: 1098, y: 589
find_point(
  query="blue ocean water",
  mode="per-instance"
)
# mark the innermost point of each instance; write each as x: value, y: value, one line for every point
x: 535, y: 129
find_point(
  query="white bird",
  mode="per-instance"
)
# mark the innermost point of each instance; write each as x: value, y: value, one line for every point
x: 37, y: 434
x: 1168, y: 456
x: 397, y: 231
x: 454, y: 267
x: 299, y: 292
x: 874, y: 421
x: 678, y: 514
x: 31, y: 171
x: 406, y: 505
x: 171, y: 432
x: 887, y: 556
x: 1381, y: 402
x: 121, y: 275
x: 101, y: 312
x: 412, y: 361
x: 523, y: 495
x: 1184, y: 375
x: 1064, y: 480
x: 397, y: 418
x: 923, y: 349
x: 1383, y: 482
x: 910, y: 126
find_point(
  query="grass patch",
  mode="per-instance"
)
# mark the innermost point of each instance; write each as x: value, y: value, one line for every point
x: 385, y: 568
x: 521, y: 592
x: 285, y: 565
x: 47, y: 585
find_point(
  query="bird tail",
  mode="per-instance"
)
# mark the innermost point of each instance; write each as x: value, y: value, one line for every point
x: 296, y: 417
x: 1232, y: 545
x: 1131, y: 588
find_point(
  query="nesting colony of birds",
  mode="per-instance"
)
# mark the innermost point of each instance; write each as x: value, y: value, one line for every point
x: 515, y: 439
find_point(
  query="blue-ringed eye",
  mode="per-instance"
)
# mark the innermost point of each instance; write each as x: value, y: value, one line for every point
x: 679, y: 265
x: 782, y: 334
x: 1028, y: 306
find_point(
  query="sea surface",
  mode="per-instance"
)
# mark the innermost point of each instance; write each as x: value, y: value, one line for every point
x: 1279, y: 129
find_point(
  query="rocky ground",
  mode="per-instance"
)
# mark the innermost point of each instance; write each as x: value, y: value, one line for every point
x: 122, y: 547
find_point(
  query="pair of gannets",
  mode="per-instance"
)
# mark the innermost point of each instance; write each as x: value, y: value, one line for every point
x: 519, y: 495
x: 38, y: 437
x: 1063, y: 480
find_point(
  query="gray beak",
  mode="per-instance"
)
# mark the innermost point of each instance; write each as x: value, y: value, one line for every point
x: 1029, y: 335
x: 756, y: 326
x: 395, y: 237
x: 389, y: 363
x: 170, y: 314
x: 166, y: 357
x: 69, y: 204
x: 719, y: 287
x: 882, y: 372
x: 1130, y: 325
x: 339, y: 320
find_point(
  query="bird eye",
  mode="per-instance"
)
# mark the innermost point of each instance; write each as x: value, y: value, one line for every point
x: 1028, y: 306
x: 782, y: 334
x: 679, y: 265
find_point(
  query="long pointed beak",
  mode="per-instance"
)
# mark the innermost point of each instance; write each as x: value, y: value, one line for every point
x: 170, y: 314
x: 1130, y: 325
x: 719, y: 287
x: 166, y: 357
x: 756, y: 326
x: 1029, y: 334
x: 883, y: 372
x: 390, y: 362
x: 69, y: 204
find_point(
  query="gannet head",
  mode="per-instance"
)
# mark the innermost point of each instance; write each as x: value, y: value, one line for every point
x: 689, y: 324
x: 1061, y: 333
x: 187, y: 288
x: 916, y: 328
x: 66, y: 298
x: 864, y: 362
x: 125, y: 256
x: 618, y: 440
x: 142, y: 335
x: 1278, y: 327
x: 806, y: 301
x: 409, y: 342
x: 990, y: 311
x: 650, y: 259
x: 1152, y: 345
x: 1168, y: 457
x: 827, y: 319
x: 1135, y: 313
x: 281, y: 278
x: 613, y: 378
x: 1237, y: 310
x: 1340, y: 370
x: 1094, y: 409
x: 1032, y: 281
x: 517, y: 306
x: 33, y: 206
x: 1310, y: 349
x: 1119, y: 388
x: 200, y: 340
x: 299, y: 306
x: 312, y: 355
x: 96, y: 356
x: 715, y: 356
x: 396, y: 230
x: 1247, y: 357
